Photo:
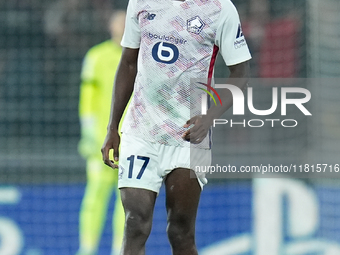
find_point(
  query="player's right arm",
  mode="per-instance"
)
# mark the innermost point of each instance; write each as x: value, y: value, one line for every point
x: 124, y: 82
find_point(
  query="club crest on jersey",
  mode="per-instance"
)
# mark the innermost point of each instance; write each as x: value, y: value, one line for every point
x: 195, y: 25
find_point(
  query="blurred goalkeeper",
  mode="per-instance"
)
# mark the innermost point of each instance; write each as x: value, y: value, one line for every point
x: 97, y: 77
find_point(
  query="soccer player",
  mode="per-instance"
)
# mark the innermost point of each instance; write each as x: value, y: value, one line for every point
x: 97, y: 77
x: 165, y: 44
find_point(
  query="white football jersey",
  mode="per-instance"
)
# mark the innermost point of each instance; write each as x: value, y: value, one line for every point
x: 177, y: 41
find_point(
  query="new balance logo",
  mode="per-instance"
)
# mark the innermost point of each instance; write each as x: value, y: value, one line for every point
x: 239, y: 32
x: 150, y: 16
x: 240, y: 41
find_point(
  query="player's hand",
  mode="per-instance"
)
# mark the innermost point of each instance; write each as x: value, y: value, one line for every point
x: 197, y: 133
x: 111, y: 141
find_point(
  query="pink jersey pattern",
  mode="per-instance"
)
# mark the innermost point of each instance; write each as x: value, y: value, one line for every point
x: 177, y: 42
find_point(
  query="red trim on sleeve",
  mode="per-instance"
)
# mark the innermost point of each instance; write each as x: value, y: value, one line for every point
x: 212, y: 64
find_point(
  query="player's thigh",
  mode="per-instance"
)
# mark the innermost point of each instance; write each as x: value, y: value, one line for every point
x: 182, y: 197
x: 138, y: 164
x: 138, y: 204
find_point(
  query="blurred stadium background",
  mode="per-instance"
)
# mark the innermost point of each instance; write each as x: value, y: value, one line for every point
x: 42, y: 176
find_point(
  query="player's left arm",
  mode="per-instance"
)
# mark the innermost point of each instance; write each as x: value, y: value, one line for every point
x: 234, y: 50
x: 239, y: 76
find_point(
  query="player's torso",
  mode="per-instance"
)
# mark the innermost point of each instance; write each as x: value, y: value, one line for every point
x: 177, y: 44
x: 177, y: 36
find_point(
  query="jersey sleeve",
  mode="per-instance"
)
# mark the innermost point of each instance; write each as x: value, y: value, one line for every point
x: 131, y: 37
x: 229, y: 36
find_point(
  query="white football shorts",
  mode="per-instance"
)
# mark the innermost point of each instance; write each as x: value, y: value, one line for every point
x: 144, y: 164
